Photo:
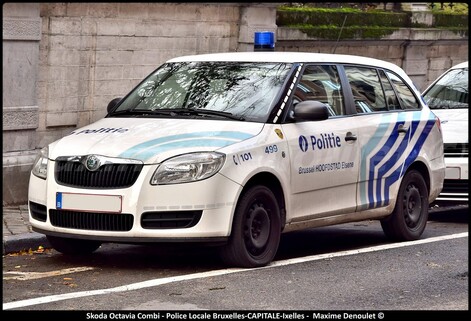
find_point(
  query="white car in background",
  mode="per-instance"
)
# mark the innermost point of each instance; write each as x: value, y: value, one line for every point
x: 447, y: 96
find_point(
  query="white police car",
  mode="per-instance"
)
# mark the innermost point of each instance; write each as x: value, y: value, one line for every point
x: 237, y: 148
x: 448, y: 98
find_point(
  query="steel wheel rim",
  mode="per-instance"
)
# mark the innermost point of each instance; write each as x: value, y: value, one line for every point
x: 257, y: 229
x: 412, y: 206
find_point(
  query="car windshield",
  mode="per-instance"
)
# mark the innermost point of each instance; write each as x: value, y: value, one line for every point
x: 450, y: 91
x: 242, y: 90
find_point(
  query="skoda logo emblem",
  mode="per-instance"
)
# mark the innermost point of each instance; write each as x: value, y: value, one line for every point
x: 92, y: 163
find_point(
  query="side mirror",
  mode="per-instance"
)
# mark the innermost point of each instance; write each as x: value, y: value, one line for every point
x: 112, y: 104
x: 311, y: 110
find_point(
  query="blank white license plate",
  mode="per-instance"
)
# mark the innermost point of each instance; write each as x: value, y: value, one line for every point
x: 89, y: 202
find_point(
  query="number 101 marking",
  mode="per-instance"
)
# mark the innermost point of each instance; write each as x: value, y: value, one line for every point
x: 241, y: 158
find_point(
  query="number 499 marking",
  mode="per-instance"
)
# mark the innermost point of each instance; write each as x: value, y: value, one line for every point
x: 271, y: 149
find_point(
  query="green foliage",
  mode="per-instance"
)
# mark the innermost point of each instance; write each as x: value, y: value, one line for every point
x: 449, y: 7
x: 325, y: 23
x: 330, y: 32
x: 319, y: 10
x: 451, y: 20
x: 336, y: 18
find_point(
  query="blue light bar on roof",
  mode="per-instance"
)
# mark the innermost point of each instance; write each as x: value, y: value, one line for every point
x: 264, y: 41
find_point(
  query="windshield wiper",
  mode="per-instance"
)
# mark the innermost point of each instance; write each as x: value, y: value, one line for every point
x: 204, y: 112
x: 141, y: 112
x: 176, y: 111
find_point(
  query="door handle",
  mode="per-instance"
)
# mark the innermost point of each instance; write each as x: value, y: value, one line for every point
x: 350, y: 137
x: 402, y: 129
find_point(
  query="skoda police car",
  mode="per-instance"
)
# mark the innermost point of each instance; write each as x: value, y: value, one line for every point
x: 234, y: 149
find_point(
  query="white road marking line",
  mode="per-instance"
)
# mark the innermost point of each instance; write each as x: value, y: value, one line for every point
x: 23, y: 276
x: 157, y: 282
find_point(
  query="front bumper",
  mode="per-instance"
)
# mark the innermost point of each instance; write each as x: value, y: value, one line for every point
x: 198, y: 211
x: 455, y: 188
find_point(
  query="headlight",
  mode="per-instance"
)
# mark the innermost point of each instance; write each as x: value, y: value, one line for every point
x: 188, y: 168
x: 40, y: 164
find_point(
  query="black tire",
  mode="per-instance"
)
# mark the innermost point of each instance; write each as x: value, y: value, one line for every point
x: 410, y: 215
x: 256, y: 230
x: 70, y: 246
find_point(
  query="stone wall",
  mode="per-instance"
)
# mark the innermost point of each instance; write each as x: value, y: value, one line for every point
x: 63, y: 62
x: 21, y: 37
x: 91, y: 53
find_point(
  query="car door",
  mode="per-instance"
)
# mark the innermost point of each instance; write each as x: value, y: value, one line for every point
x: 324, y: 155
x: 387, y: 116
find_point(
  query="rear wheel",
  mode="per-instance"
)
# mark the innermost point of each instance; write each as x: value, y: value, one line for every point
x: 73, y: 246
x: 410, y: 215
x: 256, y: 229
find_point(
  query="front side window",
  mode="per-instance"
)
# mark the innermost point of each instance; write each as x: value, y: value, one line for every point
x: 235, y: 90
x: 321, y: 83
x: 450, y: 91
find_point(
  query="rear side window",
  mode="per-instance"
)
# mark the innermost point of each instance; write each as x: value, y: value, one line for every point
x: 391, y: 99
x: 366, y: 88
x: 404, y: 93
x: 375, y: 90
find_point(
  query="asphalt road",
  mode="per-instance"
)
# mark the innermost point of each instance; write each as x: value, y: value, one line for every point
x: 350, y: 267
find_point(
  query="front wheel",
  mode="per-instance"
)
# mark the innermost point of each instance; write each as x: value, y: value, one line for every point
x: 256, y: 230
x: 73, y: 246
x: 410, y: 215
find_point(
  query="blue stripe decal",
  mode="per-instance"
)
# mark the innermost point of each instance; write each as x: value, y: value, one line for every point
x: 377, y: 136
x: 393, y: 162
x: 387, y: 164
x: 371, y: 195
x: 390, y: 164
x: 399, y: 172
x: 420, y: 142
x: 410, y: 158
x: 148, y: 153
x: 152, y: 147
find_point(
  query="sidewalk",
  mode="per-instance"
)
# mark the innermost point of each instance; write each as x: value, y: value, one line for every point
x: 17, y: 232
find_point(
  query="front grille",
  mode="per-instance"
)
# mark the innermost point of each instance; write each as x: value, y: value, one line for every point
x: 167, y: 220
x: 38, y: 211
x: 454, y: 186
x: 107, y: 176
x: 456, y: 150
x: 91, y: 221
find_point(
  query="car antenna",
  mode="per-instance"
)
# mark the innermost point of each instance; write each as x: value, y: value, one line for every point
x: 340, y: 32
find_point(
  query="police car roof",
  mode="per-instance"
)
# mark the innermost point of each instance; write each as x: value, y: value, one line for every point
x: 288, y: 57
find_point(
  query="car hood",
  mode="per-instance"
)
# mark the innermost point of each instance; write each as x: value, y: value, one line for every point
x: 454, y: 124
x: 151, y: 140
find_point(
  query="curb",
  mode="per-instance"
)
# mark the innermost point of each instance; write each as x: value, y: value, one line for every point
x: 22, y: 242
